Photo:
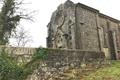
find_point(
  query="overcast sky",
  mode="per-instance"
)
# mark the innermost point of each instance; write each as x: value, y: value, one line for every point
x: 44, y: 8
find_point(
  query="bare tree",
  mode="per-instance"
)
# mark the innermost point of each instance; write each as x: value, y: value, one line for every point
x: 21, y: 38
x: 11, y: 15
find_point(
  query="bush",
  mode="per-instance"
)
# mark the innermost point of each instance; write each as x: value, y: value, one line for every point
x: 10, y: 70
x: 40, y: 53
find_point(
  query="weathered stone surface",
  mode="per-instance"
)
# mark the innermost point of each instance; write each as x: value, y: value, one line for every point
x: 77, y: 26
x: 59, y: 61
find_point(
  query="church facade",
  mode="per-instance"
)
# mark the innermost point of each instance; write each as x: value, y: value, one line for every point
x: 77, y: 26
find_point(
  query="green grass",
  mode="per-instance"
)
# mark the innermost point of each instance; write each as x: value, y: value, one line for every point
x: 111, y: 72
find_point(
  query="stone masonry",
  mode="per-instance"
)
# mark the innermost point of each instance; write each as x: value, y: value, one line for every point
x: 77, y: 26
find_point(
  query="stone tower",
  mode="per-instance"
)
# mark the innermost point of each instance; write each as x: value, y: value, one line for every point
x: 77, y: 26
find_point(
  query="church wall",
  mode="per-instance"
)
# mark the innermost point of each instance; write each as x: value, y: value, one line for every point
x: 61, y: 27
x: 77, y: 26
x: 104, y: 31
x: 86, y: 32
x: 113, y: 26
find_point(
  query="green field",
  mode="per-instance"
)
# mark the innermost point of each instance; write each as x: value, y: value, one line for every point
x: 110, y: 72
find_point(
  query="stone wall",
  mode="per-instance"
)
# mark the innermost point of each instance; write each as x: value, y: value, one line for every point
x: 61, y: 27
x: 58, y: 61
x: 18, y: 50
x: 77, y: 26
x: 86, y: 28
x: 109, y: 43
x: 54, y: 55
x: 62, y: 56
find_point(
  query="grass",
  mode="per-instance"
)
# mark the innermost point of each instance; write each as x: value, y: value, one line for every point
x: 111, y: 72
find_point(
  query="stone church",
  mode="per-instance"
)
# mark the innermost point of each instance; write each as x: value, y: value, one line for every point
x: 77, y: 26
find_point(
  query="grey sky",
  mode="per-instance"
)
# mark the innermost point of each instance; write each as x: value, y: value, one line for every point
x: 44, y: 8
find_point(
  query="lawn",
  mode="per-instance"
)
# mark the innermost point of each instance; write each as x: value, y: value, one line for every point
x: 111, y: 72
